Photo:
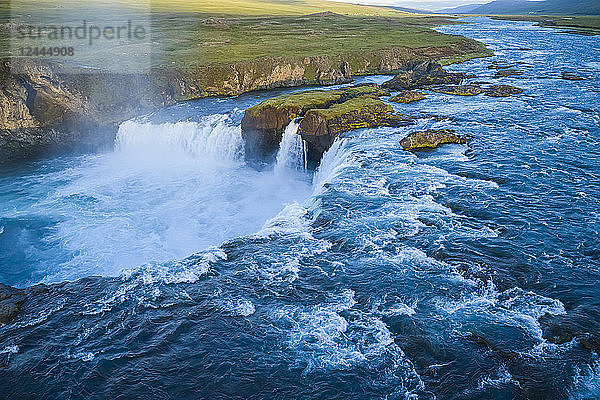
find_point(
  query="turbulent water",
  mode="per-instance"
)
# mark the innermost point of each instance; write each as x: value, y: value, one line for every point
x: 468, y: 272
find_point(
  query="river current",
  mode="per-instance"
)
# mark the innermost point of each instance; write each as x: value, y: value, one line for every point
x: 467, y: 272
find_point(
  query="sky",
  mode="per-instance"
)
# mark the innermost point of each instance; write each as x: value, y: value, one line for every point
x: 423, y: 5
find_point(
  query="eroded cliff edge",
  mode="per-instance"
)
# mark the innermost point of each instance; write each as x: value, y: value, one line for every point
x: 42, y: 109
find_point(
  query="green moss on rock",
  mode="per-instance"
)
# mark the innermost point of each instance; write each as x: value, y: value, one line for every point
x: 503, y: 73
x: 431, y: 139
x: 502, y: 91
x: 357, y: 113
x: 459, y: 90
x: 408, y: 96
x: 326, y: 114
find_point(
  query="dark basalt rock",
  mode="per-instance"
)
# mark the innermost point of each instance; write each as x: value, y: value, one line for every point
x: 11, y: 300
x: 591, y: 343
x: 571, y: 76
x: 431, y: 139
x: 502, y: 91
x: 505, y: 354
x: 459, y: 90
x: 423, y: 74
x: 503, y: 73
x: 408, y: 96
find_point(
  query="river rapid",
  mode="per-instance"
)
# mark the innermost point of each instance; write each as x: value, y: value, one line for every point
x: 467, y: 272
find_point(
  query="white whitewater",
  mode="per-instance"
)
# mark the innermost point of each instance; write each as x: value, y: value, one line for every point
x: 214, y: 137
x: 292, y: 150
x: 166, y: 191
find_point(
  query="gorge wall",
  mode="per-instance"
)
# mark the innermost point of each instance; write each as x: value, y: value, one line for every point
x: 42, y: 109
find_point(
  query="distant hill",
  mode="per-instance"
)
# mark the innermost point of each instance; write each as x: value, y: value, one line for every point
x: 466, y: 9
x: 411, y: 10
x: 516, y: 7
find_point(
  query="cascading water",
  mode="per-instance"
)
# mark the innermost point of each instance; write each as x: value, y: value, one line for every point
x: 214, y: 137
x: 332, y: 160
x: 292, y: 150
x: 166, y: 191
x: 453, y: 273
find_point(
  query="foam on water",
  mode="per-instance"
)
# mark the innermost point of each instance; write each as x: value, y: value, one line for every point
x: 501, y: 378
x: 13, y: 349
x: 333, y: 161
x: 167, y: 191
x: 337, y: 336
x: 586, y: 382
x: 215, y: 137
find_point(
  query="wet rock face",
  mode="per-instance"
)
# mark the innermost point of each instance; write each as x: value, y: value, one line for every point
x: 499, y: 65
x: 11, y: 300
x: 423, y: 74
x: 475, y: 89
x: 42, y: 110
x: 502, y: 91
x: 431, y: 139
x: 263, y: 125
x: 408, y: 96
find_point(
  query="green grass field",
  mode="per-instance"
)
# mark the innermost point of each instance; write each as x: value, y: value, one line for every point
x: 220, y: 7
x: 194, y: 39
x: 188, y: 34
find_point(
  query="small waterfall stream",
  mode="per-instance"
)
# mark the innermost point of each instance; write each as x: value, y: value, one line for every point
x: 292, y: 152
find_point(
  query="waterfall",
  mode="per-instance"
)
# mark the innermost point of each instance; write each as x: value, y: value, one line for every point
x: 293, y: 150
x: 332, y: 161
x: 213, y: 137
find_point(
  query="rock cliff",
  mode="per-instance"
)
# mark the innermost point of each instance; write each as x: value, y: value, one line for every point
x: 42, y: 109
x: 326, y: 115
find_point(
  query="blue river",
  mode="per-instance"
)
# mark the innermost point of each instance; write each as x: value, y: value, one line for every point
x: 180, y: 271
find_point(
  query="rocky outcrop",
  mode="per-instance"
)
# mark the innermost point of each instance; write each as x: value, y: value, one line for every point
x: 474, y: 90
x: 431, y: 139
x: 41, y: 109
x: 326, y: 114
x: 502, y: 91
x: 459, y: 90
x: 320, y: 127
x: 264, y: 123
x: 500, y: 65
x: 11, y: 300
x: 423, y: 74
x: 408, y: 96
